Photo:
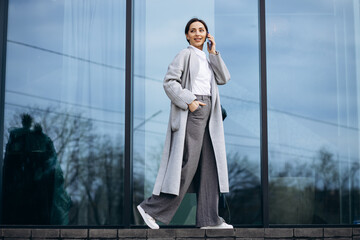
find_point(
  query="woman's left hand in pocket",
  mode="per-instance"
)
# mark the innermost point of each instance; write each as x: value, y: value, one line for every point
x: 195, y: 104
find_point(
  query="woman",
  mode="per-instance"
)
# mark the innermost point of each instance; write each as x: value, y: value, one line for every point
x: 192, y: 160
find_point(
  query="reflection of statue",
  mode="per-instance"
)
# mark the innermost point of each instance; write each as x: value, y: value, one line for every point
x: 33, y: 183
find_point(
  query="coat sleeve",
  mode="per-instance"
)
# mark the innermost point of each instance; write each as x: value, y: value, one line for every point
x: 178, y: 95
x: 221, y: 72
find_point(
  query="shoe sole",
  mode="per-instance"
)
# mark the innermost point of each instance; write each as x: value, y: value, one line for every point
x: 142, y: 213
x: 213, y: 227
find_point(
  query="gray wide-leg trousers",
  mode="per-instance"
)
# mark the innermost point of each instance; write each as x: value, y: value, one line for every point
x: 198, y: 165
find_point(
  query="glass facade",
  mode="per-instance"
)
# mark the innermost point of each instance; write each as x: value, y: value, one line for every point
x: 64, y: 112
x: 65, y: 68
x: 313, y: 56
x: 152, y: 55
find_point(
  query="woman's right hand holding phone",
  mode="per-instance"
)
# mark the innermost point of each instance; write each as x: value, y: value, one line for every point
x: 211, y: 45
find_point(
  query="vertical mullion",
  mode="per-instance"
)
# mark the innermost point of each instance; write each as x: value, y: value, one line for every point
x: 127, y: 207
x: 3, y: 37
x: 263, y: 116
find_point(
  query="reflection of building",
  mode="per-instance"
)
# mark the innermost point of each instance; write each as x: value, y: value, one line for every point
x: 66, y: 64
x: 33, y: 182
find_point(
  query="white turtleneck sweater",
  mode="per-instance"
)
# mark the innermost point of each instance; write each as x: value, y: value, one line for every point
x: 201, y: 85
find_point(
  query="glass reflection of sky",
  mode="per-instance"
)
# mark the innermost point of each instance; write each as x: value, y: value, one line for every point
x: 158, y: 39
x: 68, y: 59
x: 69, y: 56
x: 165, y: 39
x: 313, y: 109
x: 312, y: 76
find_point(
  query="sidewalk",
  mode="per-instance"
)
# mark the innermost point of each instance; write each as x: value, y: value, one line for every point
x: 183, y: 233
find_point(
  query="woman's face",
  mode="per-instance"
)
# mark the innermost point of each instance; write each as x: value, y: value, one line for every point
x: 197, y: 35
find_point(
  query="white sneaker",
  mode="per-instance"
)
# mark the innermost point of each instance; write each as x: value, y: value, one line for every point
x: 222, y: 225
x: 150, y: 221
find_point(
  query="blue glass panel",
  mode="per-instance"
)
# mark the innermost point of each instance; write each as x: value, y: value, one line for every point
x: 65, y: 68
x: 313, y: 56
x: 158, y: 37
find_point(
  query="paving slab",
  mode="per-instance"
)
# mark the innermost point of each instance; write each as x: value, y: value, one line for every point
x: 73, y: 233
x: 309, y: 232
x: 337, y: 232
x: 16, y: 233
x: 103, y: 233
x: 249, y: 232
x: 279, y: 232
x: 45, y: 233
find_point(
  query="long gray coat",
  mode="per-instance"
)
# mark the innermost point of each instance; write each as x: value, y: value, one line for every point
x: 177, y: 85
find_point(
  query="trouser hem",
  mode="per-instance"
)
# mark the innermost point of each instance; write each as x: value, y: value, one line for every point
x: 155, y: 216
x: 209, y: 223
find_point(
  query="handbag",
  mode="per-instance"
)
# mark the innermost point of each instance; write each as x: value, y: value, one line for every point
x: 223, y: 113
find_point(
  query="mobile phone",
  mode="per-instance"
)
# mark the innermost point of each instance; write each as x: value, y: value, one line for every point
x: 210, y: 44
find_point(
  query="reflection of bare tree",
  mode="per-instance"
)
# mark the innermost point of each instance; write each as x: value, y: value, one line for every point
x: 326, y: 169
x: 138, y: 185
x: 314, y: 192
x: 337, y: 194
x: 244, y: 199
x: 99, y: 174
x: 69, y: 131
x: 291, y: 194
x: 93, y: 165
x: 142, y: 188
x: 325, y: 190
